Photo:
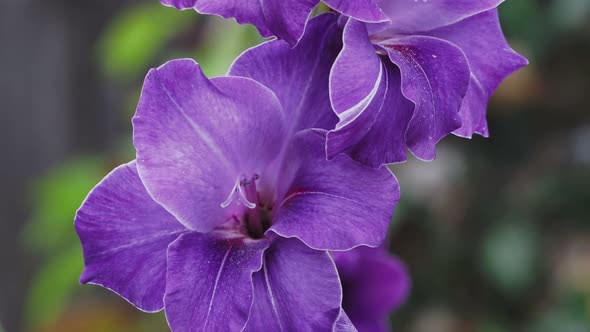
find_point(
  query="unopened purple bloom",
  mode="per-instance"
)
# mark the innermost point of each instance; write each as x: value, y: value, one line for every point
x: 285, y: 19
x: 373, y: 284
x: 226, y: 217
x: 409, y: 82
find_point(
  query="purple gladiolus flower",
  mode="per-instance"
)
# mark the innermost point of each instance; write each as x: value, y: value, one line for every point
x: 373, y: 284
x: 227, y: 215
x: 409, y: 82
x: 285, y: 19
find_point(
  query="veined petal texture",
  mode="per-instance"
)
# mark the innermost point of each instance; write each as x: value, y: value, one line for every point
x: 194, y: 137
x: 298, y: 76
x: 209, y: 282
x: 298, y: 289
x: 124, y: 236
x: 333, y: 205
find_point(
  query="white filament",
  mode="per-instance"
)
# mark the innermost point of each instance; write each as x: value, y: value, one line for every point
x: 241, y: 196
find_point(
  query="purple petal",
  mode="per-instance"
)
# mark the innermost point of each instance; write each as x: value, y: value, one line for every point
x: 356, y: 73
x: 179, y: 4
x: 298, y: 76
x: 195, y: 137
x: 435, y: 76
x: 374, y: 284
x: 209, y: 282
x: 345, y: 199
x: 284, y: 19
x: 376, y: 135
x: 491, y: 60
x: 366, y: 94
x: 362, y: 10
x: 244, y: 11
x: 410, y: 16
x: 297, y: 290
x: 473, y: 111
x: 344, y: 324
x: 287, y: 19
x: 124, y: 236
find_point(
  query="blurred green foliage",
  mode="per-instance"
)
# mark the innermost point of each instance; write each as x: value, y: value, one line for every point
x: 50, y: 234
x: 569, y: 14
x: 136, y: 36
x: 142, y: 34
x: 224, y: 43
x: 509, y: 256
x: 570, y: 316
x: 57, y: 196
x: 53, y: 285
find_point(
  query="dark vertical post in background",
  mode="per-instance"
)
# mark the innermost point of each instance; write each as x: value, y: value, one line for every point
x: 52, y: 106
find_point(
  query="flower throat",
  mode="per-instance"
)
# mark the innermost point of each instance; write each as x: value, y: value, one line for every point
x: 258, y: 217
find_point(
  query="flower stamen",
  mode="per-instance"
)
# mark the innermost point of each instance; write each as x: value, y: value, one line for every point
x: 239, y: 190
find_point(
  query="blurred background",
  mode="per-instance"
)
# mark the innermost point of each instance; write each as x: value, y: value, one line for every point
x: 496, y: 232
